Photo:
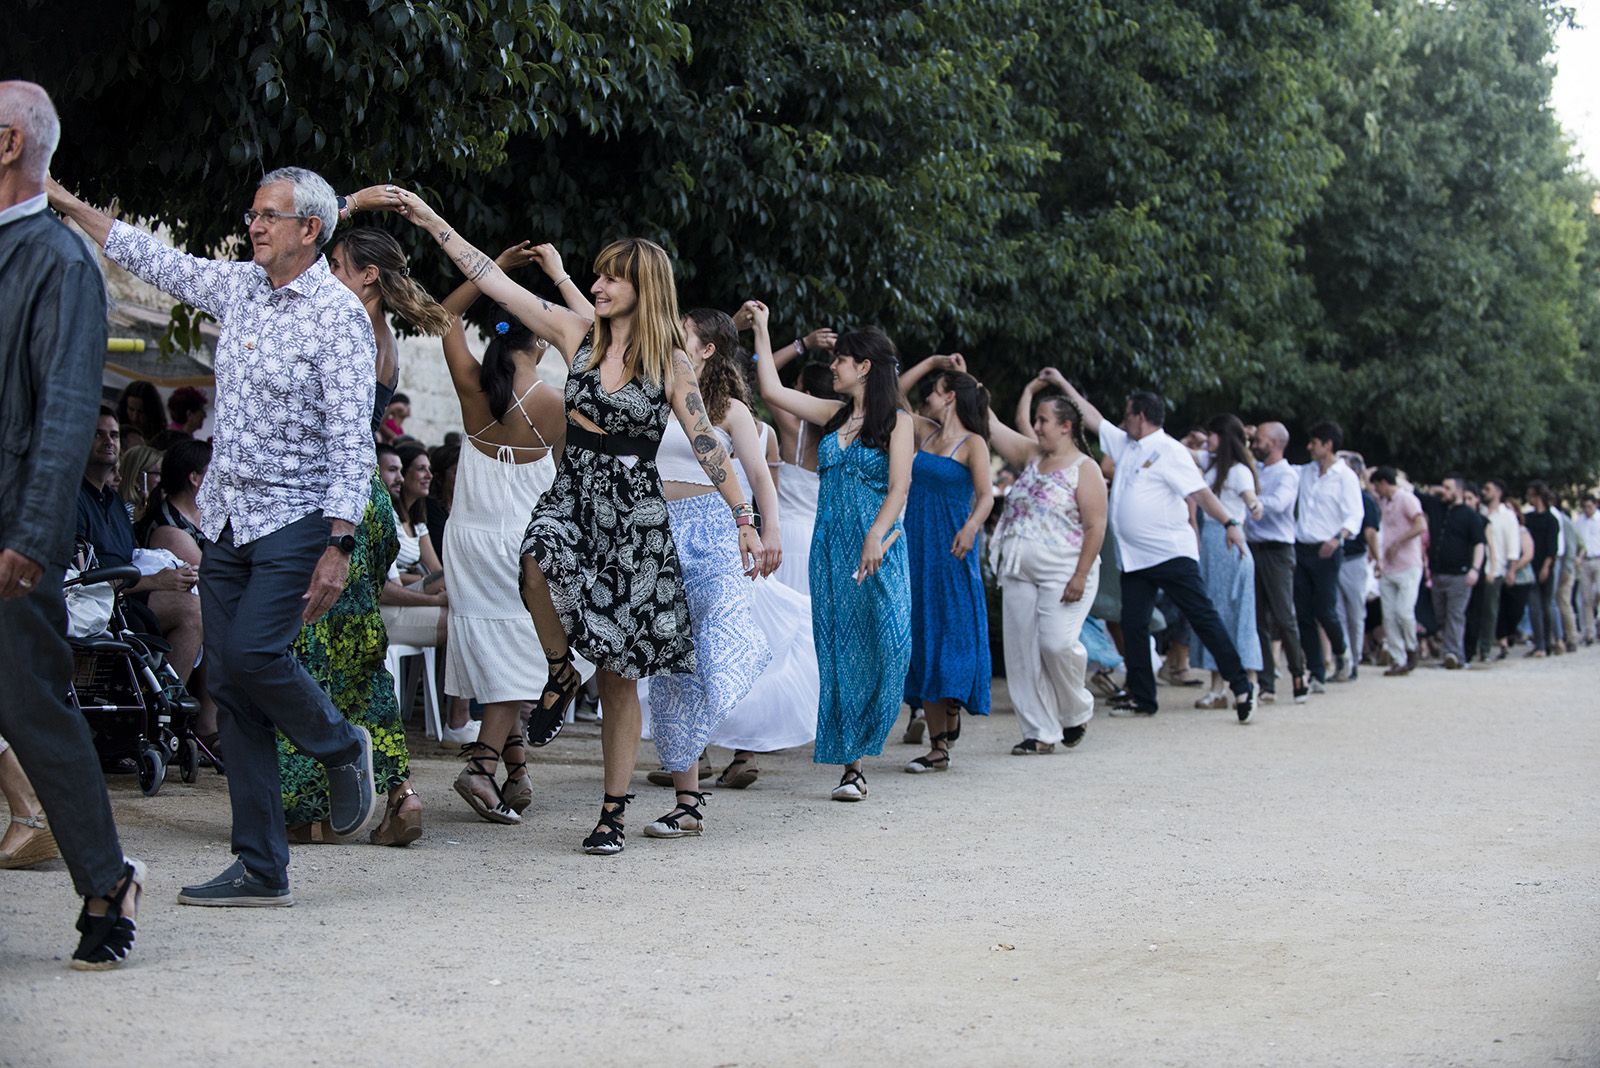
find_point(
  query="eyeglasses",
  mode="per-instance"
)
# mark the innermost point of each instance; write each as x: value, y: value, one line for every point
x: 272, y: 216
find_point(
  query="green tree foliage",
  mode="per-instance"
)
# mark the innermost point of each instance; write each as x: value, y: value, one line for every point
x: 1452, y: 260
x: 1328, y: 208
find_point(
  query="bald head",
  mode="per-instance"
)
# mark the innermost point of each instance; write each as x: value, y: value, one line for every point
x: 1270, y: 441
x: 33, y: 130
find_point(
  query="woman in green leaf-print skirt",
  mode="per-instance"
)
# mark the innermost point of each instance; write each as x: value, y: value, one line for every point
x: 344, y: 651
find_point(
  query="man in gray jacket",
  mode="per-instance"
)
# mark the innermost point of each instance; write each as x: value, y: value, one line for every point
x: 52, y: 347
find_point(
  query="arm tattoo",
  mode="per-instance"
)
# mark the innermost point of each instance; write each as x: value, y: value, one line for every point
x: 473, y: 263
x: 696, y: 406
x: 712, y: 459
x: 545, y: 304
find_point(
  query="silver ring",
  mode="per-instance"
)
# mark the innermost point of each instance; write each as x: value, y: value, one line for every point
x: 388, y: 189
x: 26, y: 584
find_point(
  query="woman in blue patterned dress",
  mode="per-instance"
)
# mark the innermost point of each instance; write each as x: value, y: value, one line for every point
x: 600, y: 571
x: 860, y: 581
x: 950, y: 499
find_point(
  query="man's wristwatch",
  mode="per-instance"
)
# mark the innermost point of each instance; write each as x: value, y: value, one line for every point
x: 345, y: 543
x: 1232, y: 522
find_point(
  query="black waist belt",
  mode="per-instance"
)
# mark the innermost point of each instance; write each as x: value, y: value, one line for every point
x: 611, y: 444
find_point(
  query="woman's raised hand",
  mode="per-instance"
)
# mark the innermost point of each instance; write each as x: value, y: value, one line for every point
x: 403, y: 201
x: 519, y: 255
x: 757, y: 314
x: 549, y: 260
x: 823, y: 338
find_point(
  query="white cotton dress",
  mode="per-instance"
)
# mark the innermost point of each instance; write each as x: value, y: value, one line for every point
x: 780, y: 712
x: 797, y: 502
x: 493, y: 654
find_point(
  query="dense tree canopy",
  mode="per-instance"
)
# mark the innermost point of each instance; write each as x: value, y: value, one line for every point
x: 1363, y: 210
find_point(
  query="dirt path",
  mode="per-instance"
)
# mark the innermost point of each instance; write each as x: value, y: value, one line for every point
x: 1402, y: 872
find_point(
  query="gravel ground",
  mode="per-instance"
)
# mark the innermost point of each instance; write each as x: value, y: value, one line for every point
x: 1405, y: 871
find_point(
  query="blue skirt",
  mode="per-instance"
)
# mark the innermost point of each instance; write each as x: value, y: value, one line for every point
x: 1231, y: 584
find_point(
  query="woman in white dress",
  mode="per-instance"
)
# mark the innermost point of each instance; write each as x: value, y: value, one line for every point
x: 513, y: 421
x: 796, y: 475
x: 780, y: 712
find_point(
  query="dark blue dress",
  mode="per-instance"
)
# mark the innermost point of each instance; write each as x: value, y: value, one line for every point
x: 949, y: 613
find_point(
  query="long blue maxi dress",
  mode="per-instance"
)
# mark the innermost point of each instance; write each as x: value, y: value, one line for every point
x: 949, y: 613
x: 862, y: 631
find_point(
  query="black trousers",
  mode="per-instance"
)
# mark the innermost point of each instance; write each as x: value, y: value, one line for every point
x: 51, y: 738
x: 1180, y: 579
x: 1316, y: 601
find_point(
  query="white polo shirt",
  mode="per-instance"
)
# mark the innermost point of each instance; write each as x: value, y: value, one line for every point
x: 1149, y: 511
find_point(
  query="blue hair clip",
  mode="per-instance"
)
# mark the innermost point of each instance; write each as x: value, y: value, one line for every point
x: 502, y: 328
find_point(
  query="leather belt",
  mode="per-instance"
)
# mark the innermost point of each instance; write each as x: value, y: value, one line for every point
x: 611, y: 444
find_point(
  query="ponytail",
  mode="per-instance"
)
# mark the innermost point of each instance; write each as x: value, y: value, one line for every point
x: 368, y: 247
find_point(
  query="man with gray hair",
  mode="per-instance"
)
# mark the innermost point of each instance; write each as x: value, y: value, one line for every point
x: 52, y: 349
x: 290, y: 476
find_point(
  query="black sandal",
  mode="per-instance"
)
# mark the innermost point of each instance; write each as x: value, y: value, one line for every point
x: 560, y: 690
x: 738, y: 780
x: 501, y: 812
x: 607, y: 839
x: 938, y: 761
x: 107, y: 940
x: 1033, y: 747
x: 852, y: 786
x: 671, y: 825
x: 517, y: 793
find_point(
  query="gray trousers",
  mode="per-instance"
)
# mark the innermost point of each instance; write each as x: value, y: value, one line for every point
x: 1450, y: 596
x: 51, y: 738
x: 1275, y: 618
x: 1353, y: 605
x: 252, y: 600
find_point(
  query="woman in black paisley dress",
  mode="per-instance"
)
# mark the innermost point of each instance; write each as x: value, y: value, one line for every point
x: 599, y: 571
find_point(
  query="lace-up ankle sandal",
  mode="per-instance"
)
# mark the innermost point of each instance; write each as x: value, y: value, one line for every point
x: 938, y: 760
x: 607, y: 839
x: 517, y: 792
x: 852, y: 787
x: 107, y: 940
x: 684, y: 821
x: 499, y: 812
x: 560, y: 690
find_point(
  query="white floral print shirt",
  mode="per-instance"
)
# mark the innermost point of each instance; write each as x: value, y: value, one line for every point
x: 295, y: 382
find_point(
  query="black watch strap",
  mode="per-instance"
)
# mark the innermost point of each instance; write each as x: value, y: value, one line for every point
x: 345, y: 543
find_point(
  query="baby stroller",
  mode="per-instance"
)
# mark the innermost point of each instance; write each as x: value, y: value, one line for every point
x: 135, y: 705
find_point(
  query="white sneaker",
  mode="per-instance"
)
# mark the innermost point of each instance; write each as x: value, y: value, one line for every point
x: 464, y: 735
x: 1314, y: 685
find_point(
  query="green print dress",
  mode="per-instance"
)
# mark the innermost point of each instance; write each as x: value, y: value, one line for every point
x: 344, y: 651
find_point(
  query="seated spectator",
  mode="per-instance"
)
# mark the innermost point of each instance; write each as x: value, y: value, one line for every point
x: 187, y: 407
x: 443, y: 459
x: 393, y: 427
x: 139, y: 406
x: 132, y: 436
x: 171, y: 521
x: 103, y: 523
x: 137, y: 471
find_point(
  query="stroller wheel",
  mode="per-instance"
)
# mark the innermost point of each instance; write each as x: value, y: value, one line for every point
x: 188, y: 760
x: 152, y: 770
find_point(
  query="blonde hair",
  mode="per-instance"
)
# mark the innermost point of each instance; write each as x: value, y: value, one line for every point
x: 657, y: 327
x: 366, y: 247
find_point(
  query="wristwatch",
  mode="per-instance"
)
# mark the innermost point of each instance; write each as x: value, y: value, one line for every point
x: 345, y: 543
x: 1232, y: 522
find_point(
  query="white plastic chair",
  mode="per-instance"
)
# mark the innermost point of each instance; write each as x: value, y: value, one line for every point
x: 395, y: 662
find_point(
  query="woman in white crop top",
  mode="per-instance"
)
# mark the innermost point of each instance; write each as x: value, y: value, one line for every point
x: 730, y: 649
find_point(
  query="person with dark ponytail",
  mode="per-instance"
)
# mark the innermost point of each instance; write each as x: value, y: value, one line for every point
x: 950, y: 500
x: 1229, y: 576
x: 344, y: 651
x: 860, y: 581
x: 1046, y: 552
x: 513, y: 421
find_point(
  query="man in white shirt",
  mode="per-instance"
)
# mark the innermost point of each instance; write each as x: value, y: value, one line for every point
x: 1271, y: 540
x: 1587, y: 523
x: 1504, y: 537
x: 1153, y: 494
x: 1329, y: 513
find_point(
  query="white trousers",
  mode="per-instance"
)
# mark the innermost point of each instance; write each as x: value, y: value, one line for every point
x: 1397, y: 591
x: 1045, y: 661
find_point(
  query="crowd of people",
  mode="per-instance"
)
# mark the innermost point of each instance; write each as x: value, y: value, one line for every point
x: 616, y: 515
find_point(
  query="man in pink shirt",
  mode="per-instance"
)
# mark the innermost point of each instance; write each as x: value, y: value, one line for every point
x: 1400, y: 528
